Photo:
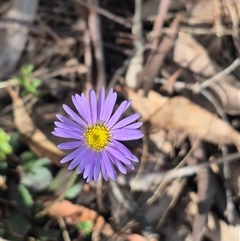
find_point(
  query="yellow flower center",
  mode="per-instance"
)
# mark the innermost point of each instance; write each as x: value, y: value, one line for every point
x: 97, y: 136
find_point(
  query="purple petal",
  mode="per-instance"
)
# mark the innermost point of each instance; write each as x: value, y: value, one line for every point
x: 130, y: 166
x: 126, y: 121
x: 82, y: 106
x: 128, y: 104
x: 82, y: 165
x: 117, y: 163
x: 97, y: 166
x: 71, y: 156
x: 70, y: 145
x: 90, y: 175
x: 119, y: 146
x: 84, y: 161
x: 93, y: 105
x: 117, y: 114
x: 118, y: 155
x: 134, y: 125
x: 103, y: 167
x: 108, y: 106
x: 68, y: 127
x: 89, y: 170
x: 108, y: 165
x: 127, y: 134
x: 67, y: 134
x: 70, y: 131
x: 74, y: 163
x: 74, y: 116
x: 77, y: 160
x: 90, y: 164
x: 77, y: 103
x: 68, y: 122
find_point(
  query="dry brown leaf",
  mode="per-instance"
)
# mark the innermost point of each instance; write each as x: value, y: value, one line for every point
x: 37, y: 141
x: 62, y: 209
x: 135, y: 237
x: 76, y: 213
x: 196, y: 58
x: 229, y: 96
x: 218, y: 230
x: 202, y: 12
x: 180, y: 114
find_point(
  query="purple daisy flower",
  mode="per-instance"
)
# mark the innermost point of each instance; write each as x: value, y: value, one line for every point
x: 96, y: 133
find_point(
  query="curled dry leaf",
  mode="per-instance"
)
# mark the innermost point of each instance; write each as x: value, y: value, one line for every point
x: 37, y: 141
x: 180, y: 114
x: 76, y: 213
x: 196, y: 58
x: 229, y: 96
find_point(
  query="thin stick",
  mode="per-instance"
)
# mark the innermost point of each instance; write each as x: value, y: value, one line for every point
x: 172, y: 204
x: 168, y: 178
x: 137, y: 25
x: 120, y: 196
x: 158, y: 24
x: 220, y: 75
x: 106, y: 14
x: 231, y: 212
x: 96, y: 37
x: 65, y: 233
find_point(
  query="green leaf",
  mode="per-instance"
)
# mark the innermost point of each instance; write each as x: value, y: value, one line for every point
x: 74, y: 191
x: 44, y: 161
x: 5, y: 148
x: 25, y: 80
x: 85, y: 227
x: 27, y: 70
x: 14, y: 141
x: 17, y: 226
x: 3, y: 168
x: 38, y: 179
x: 20, y: 80
x: 25, y: 195
x: 22, y: 197
x: 27, y: 160
x: 36, y: 82
x: 3, y: 157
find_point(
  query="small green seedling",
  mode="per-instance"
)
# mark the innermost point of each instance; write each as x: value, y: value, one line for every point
x: 85, y: 227
x: 5, y: 148
x: 25, y: 80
